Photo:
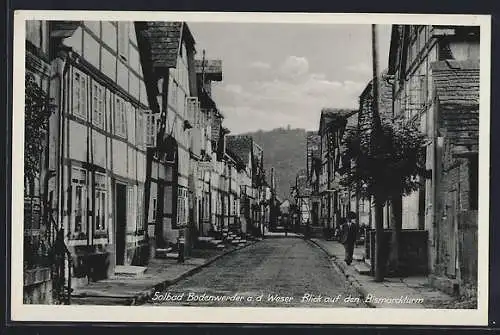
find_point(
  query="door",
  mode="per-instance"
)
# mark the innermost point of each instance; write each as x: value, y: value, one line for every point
x: 121, y: 222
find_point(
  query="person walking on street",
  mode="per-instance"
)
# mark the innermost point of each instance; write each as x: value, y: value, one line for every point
x: 349, y: 234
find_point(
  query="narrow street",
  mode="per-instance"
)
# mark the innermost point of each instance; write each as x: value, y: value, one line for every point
x: 285, y: 267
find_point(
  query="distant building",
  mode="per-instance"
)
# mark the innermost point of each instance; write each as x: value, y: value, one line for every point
x: 252, y: 177
x: 366, y: 124
x: 313, y: 170
x: 302, y: 194
x: 335, y: 199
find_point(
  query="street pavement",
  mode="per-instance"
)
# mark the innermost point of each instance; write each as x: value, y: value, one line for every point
x: 276, y: 272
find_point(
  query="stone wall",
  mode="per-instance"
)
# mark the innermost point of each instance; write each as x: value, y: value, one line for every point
x: 37, y: 286
x: 413, y: 251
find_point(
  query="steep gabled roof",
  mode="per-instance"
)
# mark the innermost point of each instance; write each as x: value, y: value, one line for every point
x: 241, y: 146
x: 456, y: 82
x: 457, y: 90
x: 330, y: 115
x: 164, y: 39
x: 63, y: 29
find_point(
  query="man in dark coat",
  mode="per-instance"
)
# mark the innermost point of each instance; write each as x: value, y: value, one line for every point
x: 349, y: 235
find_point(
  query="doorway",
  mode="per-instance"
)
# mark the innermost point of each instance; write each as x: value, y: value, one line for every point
x: 121, y: 222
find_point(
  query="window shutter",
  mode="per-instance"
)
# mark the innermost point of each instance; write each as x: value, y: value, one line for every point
x: 151, y: 129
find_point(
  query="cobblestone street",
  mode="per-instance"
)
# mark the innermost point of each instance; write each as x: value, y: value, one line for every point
x: 281, y: 270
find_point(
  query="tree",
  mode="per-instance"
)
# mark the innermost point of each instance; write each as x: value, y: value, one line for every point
x: 37, y: 110
x: 388, y: 168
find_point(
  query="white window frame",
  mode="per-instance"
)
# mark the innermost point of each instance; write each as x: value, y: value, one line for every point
x: 98, y: 107
x: 79, y: 94
x: 78, y: 181
x: 101, y: 212
x: 120, y: 117
x: 182, y: 206
x: 151, y: 126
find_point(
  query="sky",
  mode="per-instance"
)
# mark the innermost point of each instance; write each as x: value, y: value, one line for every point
x: 283, y: 74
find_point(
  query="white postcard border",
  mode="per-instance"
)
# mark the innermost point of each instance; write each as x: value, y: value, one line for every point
x: 21, y: 312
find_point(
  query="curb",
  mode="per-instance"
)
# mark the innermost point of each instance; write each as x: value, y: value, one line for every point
x: 143, y: 296
x: 342, y: 268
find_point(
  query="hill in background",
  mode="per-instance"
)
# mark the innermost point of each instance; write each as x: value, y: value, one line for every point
x: 285, y: 150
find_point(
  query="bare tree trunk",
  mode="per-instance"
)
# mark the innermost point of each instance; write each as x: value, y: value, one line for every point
x: 379, y: 236
x: 396, y: 224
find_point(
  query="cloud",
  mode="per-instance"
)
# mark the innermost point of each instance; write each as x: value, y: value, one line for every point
x: 277, y: 100
x: 233, y: 88
x: 360, y: 68
x: 294, y: 66
x: 260, y: 65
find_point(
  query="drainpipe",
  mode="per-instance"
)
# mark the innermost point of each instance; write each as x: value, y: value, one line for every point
x: 61, y: 68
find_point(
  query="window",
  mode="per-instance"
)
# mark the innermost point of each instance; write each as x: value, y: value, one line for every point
x: 123, y: 37
x: 79, y: 200
x: 151, y: 124
x: 182, y: 206
x: 79, y: 94
x: 120, y: 118
x: 154, y: 209
x: 100, y: 202
x: 98, y: 105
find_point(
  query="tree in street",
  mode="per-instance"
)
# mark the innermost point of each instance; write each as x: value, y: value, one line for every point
x: 388, y: 168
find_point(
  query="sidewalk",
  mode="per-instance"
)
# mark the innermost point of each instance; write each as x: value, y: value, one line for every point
x: 409, y: 292
x: 161, y: 273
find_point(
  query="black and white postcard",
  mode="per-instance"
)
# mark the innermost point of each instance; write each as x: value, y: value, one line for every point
x: 250, y: 168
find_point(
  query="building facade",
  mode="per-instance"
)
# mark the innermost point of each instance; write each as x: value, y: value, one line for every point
x: 313, y: 170
x: 365, y: 122
x: 102, y: 147
x: 336, y: 200
x: 436, y: 86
